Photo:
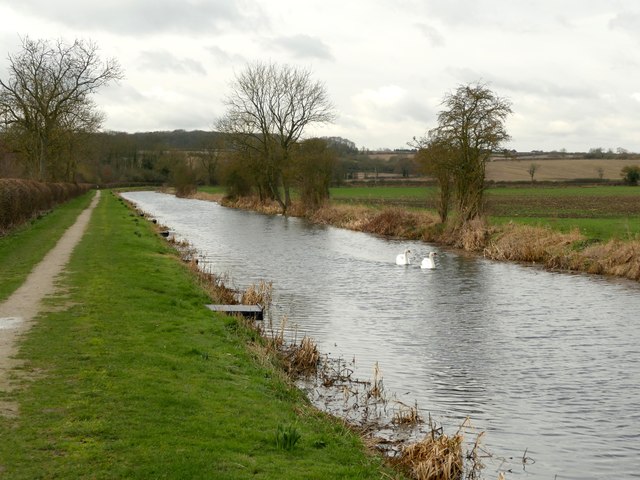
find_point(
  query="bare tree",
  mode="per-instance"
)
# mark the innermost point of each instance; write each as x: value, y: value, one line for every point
x: 46, y: 100
x: 268, y: 109
x: 471, y: 127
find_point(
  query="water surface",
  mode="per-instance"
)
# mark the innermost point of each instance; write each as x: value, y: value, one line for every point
x: 546, y: 363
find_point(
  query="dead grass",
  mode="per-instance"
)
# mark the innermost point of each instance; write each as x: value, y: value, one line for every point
x: 525, y: 243
x: 252, y: 203
x: 406, y: 414
x: 301, y: 359
x: 615, y: 257
x: 437, y: 456
x: 261, y: 294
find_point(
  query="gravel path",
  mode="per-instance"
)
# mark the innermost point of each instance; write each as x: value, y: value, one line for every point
x: 20, y: 310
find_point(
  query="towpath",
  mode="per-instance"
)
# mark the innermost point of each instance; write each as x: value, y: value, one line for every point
x: 20, y: 310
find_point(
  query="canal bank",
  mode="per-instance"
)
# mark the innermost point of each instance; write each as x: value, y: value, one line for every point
x: 132, y: 377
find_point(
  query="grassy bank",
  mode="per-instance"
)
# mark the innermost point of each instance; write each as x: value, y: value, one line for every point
x: 134, y: 378
x: 26, y: 245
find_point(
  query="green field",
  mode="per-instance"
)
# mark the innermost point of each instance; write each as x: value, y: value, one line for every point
x: 132, y: 377
x: 600, y: 212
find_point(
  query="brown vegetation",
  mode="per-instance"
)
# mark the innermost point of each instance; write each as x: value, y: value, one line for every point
x: 21, y: 200
x: 437, y: 456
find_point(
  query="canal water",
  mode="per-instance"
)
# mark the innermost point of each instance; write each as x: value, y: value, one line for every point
x: 547, y: 364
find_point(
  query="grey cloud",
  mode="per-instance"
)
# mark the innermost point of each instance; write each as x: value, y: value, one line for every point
x: 163, y: 61
x: 139, y: 17
x: 539, y: 16
x: 224, y: 57
x: 433, y: 34
x: 544, y: 88
x: 304, y: 46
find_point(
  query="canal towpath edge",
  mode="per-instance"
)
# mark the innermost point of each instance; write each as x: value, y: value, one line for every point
x: 20, y: 310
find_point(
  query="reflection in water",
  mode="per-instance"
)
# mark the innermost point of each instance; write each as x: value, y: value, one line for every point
x: 541, y: 361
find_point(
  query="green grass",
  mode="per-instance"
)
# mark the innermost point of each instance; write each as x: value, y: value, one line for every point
x: 380, y: 193
x: 622, y: 228
x: 24, y: 247
x: 134, y: 378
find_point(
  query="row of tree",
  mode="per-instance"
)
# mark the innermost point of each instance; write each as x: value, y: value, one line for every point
x: 51, y: 128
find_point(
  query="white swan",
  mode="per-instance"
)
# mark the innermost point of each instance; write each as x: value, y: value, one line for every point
x: 429, y: 262
x: 403, y: 258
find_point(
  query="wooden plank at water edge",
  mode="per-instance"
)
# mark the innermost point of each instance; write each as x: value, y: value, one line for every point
x: 250, y: 311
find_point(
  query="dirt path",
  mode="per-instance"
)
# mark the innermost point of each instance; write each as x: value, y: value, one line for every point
x: 18, y: 312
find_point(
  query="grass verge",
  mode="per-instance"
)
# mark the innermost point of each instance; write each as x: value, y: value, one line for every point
x: 23, y: 248
x: 133, y: 377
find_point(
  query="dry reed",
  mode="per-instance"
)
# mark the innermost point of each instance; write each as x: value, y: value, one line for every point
x: 525, y: 243
x: 406, y: 414
x: 612, y: 258
x: 261, y: 294
x: 301, y: 359
x: 437, y: 456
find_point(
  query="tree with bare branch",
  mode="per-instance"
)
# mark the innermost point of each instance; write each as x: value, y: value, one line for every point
x: 470, y: 128
x: 46, y: 102
x: 268, y: 109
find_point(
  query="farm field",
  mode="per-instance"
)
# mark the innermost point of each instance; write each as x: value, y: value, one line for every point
x: 556, y: 169
x: 600, y: 212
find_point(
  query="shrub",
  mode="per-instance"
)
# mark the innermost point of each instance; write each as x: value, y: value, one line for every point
x: 631, y: 174
x: 21, y: 200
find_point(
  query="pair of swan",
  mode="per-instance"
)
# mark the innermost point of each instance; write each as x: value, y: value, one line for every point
x: 428, y: 262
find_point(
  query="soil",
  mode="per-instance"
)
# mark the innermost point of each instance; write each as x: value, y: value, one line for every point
x: 20, y: 310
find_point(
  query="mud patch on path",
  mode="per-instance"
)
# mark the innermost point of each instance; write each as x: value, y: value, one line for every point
x: 20, y: 310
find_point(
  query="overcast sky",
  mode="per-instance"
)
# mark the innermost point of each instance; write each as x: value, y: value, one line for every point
x: 571, y: 68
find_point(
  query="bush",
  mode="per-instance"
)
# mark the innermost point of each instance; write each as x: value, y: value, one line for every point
x: 631, y: 174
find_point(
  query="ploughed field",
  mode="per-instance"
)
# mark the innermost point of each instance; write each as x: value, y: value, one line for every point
x: 578, y: 205
x: 577, y: 202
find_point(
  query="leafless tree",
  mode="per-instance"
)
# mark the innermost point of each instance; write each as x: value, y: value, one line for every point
x: 533, y: 168
x: 471, y: 128
x: 268, y: 109
x: 46, y: 101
